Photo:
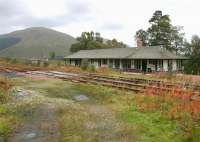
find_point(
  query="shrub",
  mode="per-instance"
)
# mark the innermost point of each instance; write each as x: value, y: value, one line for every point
x: 38, y: 63
x: 46, y: 64
x: 84, y: 64
x: 92, y: 68
x: 59, y: 64
x: 27, y: 62
x: 8, y: 59
x: 14, y: 61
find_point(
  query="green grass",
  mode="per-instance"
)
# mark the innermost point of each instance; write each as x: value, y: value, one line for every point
x: 145, y: 127
x: 7, y: 121
x: 153, y: 127
x: 4, y: 123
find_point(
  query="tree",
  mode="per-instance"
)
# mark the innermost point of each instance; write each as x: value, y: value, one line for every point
x: 192, y: 50
x: 52, y: 55
x: 162, y: 32
x: 115, y: 44
x: 178, y: 40
x: 91, y: 40
x: 98, y: 37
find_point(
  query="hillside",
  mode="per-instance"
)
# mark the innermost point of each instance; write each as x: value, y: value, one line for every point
x: 35, y: 42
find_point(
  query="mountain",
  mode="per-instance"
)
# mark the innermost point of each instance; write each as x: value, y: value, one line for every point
x: 35, y: 42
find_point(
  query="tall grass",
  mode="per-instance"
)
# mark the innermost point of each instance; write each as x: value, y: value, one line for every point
x: 176, y: 106
x: 5, y: 85
x: 5, y: 118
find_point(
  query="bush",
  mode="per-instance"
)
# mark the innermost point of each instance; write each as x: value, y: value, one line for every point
x: 59, y: 64
x: 38, y: 63
x: 84, y: 64
x: 92, y: 68
x: 27, y: 62
x: 14, y: 61
x: 8, y: 59
x: 46, y: 64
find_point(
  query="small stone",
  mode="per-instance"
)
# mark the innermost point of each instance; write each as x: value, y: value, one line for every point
x: 81, y: 98
x: 30, y: 136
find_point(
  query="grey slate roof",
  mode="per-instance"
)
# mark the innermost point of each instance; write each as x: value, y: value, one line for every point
x: 154, y: 52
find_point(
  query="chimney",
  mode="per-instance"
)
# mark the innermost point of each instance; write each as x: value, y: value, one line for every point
x: 139, y: 43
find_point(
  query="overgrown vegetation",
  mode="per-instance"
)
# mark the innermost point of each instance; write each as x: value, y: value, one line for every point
x: 150, y: 126
x: 5, y: 85
x: 162, y: 108
x: 5, y: 118
x: 118, y: 114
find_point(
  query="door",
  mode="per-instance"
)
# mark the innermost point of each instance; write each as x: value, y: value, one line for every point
x: 144, y: 65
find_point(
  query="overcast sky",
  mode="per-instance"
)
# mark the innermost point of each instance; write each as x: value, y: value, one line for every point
x: 112, y: 18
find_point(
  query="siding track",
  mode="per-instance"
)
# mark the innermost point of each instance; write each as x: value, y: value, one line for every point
x: 136, y: 85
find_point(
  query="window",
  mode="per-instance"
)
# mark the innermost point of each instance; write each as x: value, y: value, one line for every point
x: 169, y: 65
x: 92, y: 61
x: 99, y: 63
x: 104, y: 61
x: 179, y: 64
x: 137, y: 64
x: 117, y: 63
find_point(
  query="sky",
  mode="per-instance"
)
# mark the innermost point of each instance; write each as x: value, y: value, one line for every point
x: 118, y: 19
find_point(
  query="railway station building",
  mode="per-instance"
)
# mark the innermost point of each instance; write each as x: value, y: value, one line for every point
x: 145, y: 59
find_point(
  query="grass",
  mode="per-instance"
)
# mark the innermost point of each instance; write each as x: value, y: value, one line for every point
x: 11, y: 116
x: 149, y: 126
x: 5, y: 122
x: 108, y: 115
x: 152, y: 126
x: 83, y: 121
x: 6, y: 119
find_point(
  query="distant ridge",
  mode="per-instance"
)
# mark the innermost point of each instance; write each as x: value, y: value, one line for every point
x: 36, y: 42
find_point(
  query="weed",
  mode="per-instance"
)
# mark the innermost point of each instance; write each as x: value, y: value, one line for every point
x: 175, y: 105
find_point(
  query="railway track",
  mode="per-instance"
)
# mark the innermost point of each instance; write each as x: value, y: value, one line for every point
x: 122, y: 83
x: 136, y: 85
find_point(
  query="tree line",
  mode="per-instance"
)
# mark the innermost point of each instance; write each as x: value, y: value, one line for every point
x: 91, y: 40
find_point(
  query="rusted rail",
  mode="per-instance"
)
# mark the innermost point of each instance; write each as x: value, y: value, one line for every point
x: 123, y: 83
x: 137, y: 85
x: 157, y: 83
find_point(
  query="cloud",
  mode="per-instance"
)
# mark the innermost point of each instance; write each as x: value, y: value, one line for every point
x: 112, y: 27
x: 15, y: 14
x: 114, y: 19
x: 10, y: 9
